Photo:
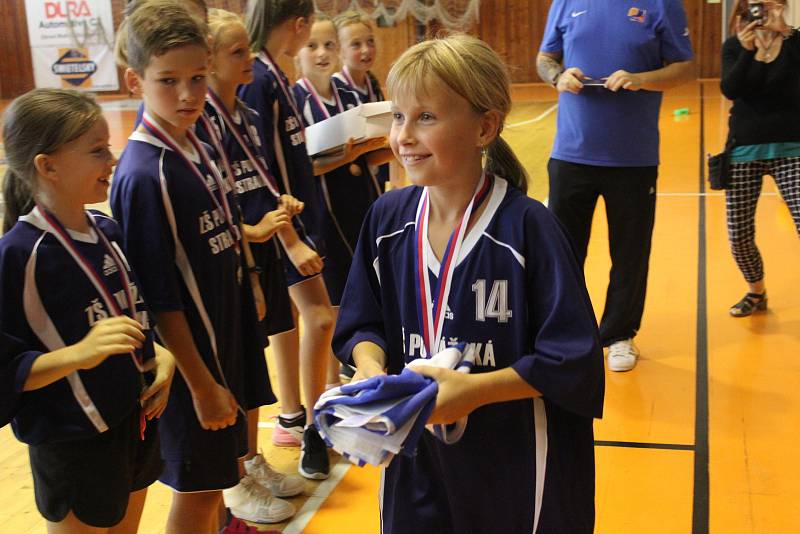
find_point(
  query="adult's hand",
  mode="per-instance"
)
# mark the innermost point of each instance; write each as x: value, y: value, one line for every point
x: 570, y: 81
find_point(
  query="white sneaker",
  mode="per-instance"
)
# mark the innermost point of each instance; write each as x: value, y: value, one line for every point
x: 279, y: 484
x: 251, y: 501
x: 622, y: 355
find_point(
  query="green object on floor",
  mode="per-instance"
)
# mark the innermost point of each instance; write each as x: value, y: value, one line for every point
x: 680, y: 111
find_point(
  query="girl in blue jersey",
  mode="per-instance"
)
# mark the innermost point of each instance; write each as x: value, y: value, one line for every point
x: 232, y: 127
x: 280, y: 28
x: 77, y: 347
x: 347, y: 186
x: 466, y: 256
x: 358, y: 52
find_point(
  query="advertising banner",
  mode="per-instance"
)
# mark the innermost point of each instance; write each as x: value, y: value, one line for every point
x: 72, y: 44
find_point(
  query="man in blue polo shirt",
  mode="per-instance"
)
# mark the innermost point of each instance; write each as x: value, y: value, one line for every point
x: 610, y: 60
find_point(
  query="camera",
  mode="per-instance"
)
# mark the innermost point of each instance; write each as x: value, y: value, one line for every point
x: 756, y: 12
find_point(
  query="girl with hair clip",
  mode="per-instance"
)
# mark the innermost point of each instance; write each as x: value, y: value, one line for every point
x: 77, y: 350
x: 465, y: 256
x: 347, y: 185
x: 761, y: 74
x: 277, y: 28
x: 232, y: 128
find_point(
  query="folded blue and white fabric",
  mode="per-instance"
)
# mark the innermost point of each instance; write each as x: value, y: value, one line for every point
x: 370, y: 421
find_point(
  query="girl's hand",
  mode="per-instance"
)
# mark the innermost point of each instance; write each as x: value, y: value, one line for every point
x: 304, y: 259
x: 367, y: 370
x: 154, y: 398
x: 456, y: 396
x: 746, y: 33
x: 114, y: 336
x: 270, y: 224
x: 215, y: 407
x: 775, y: 21
x: 292, y: 205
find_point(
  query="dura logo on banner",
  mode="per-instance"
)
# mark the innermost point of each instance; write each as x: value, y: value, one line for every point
x: 67, y: 9
x: 74, y: 67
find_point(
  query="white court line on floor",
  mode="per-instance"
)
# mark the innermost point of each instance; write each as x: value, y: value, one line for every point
x: 547, y: 112
x: 316, y: 499
x: 262, y: 424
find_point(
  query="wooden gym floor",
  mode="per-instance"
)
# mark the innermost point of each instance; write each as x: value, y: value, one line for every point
x: 700, y: 437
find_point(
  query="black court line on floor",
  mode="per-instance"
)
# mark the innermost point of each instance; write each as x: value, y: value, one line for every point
x: 644, y: 445
x: 700, y: 507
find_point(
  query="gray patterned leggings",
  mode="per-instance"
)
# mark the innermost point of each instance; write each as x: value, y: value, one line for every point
x: 741, y: 199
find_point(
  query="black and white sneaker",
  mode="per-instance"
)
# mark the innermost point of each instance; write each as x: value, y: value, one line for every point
x: 314, y: 463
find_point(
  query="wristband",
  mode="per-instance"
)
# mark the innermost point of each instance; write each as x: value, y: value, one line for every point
x: 556, y: 77
x: 254, y: 269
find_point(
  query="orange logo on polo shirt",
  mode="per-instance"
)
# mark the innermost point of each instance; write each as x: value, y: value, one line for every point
x: 74, y: 67
x: 637, y: 15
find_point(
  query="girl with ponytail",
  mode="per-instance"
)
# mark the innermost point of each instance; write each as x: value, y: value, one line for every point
x: 80, y: 375
x: 464, y: 256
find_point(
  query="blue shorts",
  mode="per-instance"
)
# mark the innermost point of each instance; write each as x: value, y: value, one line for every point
x: 196, y: 459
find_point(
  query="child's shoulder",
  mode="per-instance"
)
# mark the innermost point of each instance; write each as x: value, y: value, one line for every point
x: 395, y: 209
x: 17, y: 243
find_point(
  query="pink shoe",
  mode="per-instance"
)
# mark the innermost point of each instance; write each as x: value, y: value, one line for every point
x: 289, y: 432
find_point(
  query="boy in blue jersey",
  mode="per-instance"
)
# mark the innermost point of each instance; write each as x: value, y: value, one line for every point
x: 469, y: 258
x: 607, y: 137
x: 180, y: 224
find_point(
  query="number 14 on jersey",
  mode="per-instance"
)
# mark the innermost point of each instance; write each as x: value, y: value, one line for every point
x: 497, y: 305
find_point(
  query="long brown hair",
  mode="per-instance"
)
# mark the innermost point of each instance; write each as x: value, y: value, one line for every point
x: 39, y: 122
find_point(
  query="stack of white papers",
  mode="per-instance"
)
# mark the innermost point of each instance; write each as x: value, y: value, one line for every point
x: 367, y: 121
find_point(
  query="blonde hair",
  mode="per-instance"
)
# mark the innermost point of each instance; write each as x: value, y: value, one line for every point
x: 219, y: 22
x: 155, y: 28
x: 121, y: 42
x: 472, y: 70
x: 39, y: 122
x: 263, y: 16
x: 348, y: 18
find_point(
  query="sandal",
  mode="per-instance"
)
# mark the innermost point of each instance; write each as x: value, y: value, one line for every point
x: 752, y: 302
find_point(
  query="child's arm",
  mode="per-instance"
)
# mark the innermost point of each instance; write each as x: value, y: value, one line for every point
x: 269, y: 225
x: 115, y: 336
x: 460, y: 394
x: 154, y: 398
x: 370, y: 360
x: 214, y: 405
x: 375, y: 149
x: 301, y: 255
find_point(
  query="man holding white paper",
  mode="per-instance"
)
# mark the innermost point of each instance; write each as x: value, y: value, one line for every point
x: 618, y: 60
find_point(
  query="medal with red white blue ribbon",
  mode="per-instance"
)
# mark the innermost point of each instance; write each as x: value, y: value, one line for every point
x: 308, y: 86
x: 220, y: 202
x: 266, y: 176
x: 55, y: 227
x: 432, y: 300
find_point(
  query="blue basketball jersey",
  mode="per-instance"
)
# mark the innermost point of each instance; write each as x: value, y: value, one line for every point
x: 49, y: 302
x: 519, y: 299
x: 344, y: 196
x: 181, y: 243
x: 298, y: 178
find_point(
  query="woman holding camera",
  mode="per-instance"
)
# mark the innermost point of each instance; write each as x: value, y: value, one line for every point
x: 761, y: 74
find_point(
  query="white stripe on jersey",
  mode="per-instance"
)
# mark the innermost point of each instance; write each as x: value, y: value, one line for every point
x: 519, y: 257
x: 43, y: 326
x: 185, y: 268
x: 375, y: 264
x: 540, y: 430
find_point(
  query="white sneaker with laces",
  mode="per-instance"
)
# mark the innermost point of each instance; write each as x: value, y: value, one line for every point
x: 622, y: 355
x: 279, y: 484
x: 251, y: 501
